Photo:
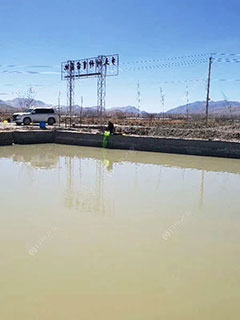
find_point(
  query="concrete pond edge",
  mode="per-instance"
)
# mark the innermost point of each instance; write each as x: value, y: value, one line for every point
x: 222, y: 149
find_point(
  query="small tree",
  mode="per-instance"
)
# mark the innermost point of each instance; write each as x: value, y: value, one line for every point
x: 120, y: 115
x: 151, y: 116
x: 26, y: 99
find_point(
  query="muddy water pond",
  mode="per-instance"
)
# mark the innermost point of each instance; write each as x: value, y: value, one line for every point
x: 87, y: 233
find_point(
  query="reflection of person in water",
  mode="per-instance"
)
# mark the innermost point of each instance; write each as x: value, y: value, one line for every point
x: 108, y: 163
x: 110, y: 127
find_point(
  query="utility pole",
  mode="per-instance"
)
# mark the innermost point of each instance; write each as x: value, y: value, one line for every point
x: 208, y: 87
x: 59, y: 108
x: 162, y: 96
x: 81, y: 111
x: 138, y: 99
x: 187, y: 98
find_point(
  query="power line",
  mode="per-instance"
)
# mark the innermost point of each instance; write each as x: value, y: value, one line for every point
x: 164, y: 62
x: 27, y: 66
x: 226, y: 54
x: 165, y: 65
x: 167, y: 59
x: 31, y: 72
x: 226, y: 80
x: 182, y: 81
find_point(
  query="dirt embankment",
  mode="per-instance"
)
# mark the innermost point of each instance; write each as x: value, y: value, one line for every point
x: 225, y: 131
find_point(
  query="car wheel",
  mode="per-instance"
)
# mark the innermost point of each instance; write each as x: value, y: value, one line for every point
x: 18, y: 124
x: 26, y: 121
x: 51, y: 121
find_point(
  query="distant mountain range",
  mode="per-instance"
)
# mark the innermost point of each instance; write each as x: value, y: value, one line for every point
x: 199, y: 107
x: 4, y: 107
x: 19, y: 103
x: 215, y: 107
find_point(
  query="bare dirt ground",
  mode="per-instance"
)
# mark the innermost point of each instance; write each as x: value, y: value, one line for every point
x: 224, y: 131
x: 216, y: 129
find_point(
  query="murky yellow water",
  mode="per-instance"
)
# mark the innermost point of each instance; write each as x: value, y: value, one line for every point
x: 88, y: 233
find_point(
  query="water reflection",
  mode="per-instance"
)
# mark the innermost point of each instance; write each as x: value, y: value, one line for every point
x: 99, y: 221
x: 32, y: 155
x: 86, y: 173
x: 202, y: 189
x: 47, y: 156
x: 80, y: 194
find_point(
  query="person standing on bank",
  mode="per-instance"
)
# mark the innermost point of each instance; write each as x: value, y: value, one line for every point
x: 110, y: 127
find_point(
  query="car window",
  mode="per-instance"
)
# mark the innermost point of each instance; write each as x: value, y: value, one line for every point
x: 42, y: 111
x: 38, y: 111
x: 47, y: 110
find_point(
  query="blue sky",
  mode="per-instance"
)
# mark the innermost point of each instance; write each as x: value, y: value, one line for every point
x: 45, y: 33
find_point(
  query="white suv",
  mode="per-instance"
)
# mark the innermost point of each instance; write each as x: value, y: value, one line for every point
x: 36, y: 115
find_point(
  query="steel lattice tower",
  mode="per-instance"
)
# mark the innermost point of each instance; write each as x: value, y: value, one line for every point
x: 101, y: 89
x: 70, y: 91
x: 99, y: 67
